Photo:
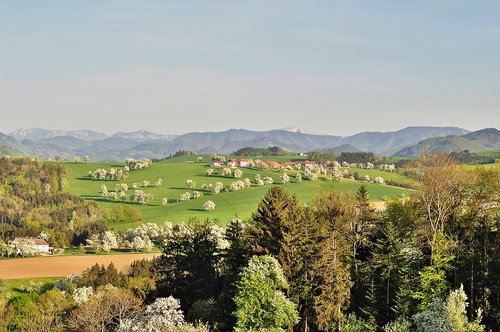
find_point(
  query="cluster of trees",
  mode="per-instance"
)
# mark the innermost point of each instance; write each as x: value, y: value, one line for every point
x: 257, y: 152
x: 467, y: 157
x: 356, y: 157
x: 133, y: 164
x: 32, y: 201
x: 113, y: 174
x: 320, y: 156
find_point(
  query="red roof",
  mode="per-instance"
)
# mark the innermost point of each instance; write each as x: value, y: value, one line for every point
x: 36, y: 240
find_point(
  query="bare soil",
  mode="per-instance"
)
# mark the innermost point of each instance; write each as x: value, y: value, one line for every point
x: 62, y: 266
x: 379, y: 206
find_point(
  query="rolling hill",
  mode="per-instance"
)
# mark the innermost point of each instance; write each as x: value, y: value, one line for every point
x: 176, y: 171
x: 477, y: 141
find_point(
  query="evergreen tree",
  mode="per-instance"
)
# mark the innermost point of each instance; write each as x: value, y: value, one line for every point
x: 332, y: 214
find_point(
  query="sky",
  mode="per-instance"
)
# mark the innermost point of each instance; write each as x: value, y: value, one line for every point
x: 335, y: 67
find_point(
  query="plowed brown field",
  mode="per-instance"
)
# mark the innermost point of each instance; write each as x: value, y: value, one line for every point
x: 62, y: 266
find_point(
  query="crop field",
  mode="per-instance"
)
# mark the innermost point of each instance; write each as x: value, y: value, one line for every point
x: 61, y: 266
x: 241, y: 204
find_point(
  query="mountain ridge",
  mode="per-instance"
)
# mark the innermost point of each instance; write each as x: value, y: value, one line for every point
x: 145, y: 144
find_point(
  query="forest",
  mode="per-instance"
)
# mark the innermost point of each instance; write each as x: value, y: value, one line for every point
x: 429, y: 262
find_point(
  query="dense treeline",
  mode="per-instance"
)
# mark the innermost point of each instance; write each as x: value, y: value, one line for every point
x: 32, y: 200
x: 321, y: 156
x: 256, y: 152
x: 467, y: 157
x: 356, y: 157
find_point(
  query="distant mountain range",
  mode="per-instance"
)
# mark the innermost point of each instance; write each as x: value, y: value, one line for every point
x: 410, y: 141
x: 477, y: 141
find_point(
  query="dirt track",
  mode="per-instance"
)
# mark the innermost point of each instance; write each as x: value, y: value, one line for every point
x: 62, y: 266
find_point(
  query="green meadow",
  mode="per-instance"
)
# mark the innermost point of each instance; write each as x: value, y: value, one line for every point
x: 240, y: 204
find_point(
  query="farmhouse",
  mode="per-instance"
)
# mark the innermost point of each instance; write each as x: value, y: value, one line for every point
x: 271, y: 164
x: 35, y: 244
x: 240, y: 162
x: 217, y: 162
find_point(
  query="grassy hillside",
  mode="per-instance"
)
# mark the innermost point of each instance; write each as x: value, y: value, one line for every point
x: 490, y: 153
x: 241, y: 204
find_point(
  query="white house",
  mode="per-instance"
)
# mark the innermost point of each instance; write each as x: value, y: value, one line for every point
x: 240, y: 162
x: 217, y: 162
x: 34, y: 244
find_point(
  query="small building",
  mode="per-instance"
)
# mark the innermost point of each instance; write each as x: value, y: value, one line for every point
x: 271, y: 164
x: 240, y: 162
x: 217, y: 162
x: 36, y: 244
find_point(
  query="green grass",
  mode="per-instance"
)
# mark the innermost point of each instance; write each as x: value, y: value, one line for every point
x: 241, y: 204
x: 75, y: 251
x: 490, y: 153
x: 15, y: 286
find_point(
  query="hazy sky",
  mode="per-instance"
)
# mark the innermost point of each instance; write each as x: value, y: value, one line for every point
x: 335, y: 67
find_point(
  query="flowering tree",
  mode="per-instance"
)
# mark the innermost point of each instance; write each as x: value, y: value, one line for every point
x: 159, y: 182
x: 86, y: 158
x: 123, y: 196
x: 190, y: 184
x: 199, y: 159
x: 121, y: 187
x: 77, y: 159
x: 268, y: 180
x: 197, y: 194
x: 141, y: 243
x: 309, y: 175
x: 141, y: 197
x: 104, y: 191
x: 83, y: 294
x: 226, y: 171
x: 164, y: 314
x: 133, y: 164
x: 378, y: 180
x: 164, y: 201
x: 257, y: 178
x: 209, y: 206
x: 285, y: 178
x: 25, y: 248
x: 298, y: 177
x: 448, y: 316
x: 217, y: 187
x: 104, y: 241
x: 247, y: 182
x: 184, y: 197
x: 238, y: 173
x: 261, y: 304
x: 210, y: 171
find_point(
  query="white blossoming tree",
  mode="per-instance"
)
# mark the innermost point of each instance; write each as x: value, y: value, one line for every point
x: 164, y: 314
x: 105, y: 241
x: 226, y: 171
x: 268, y: 180
x: 238, y: 173
x: 209, y: 206
x: 190, y: 184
